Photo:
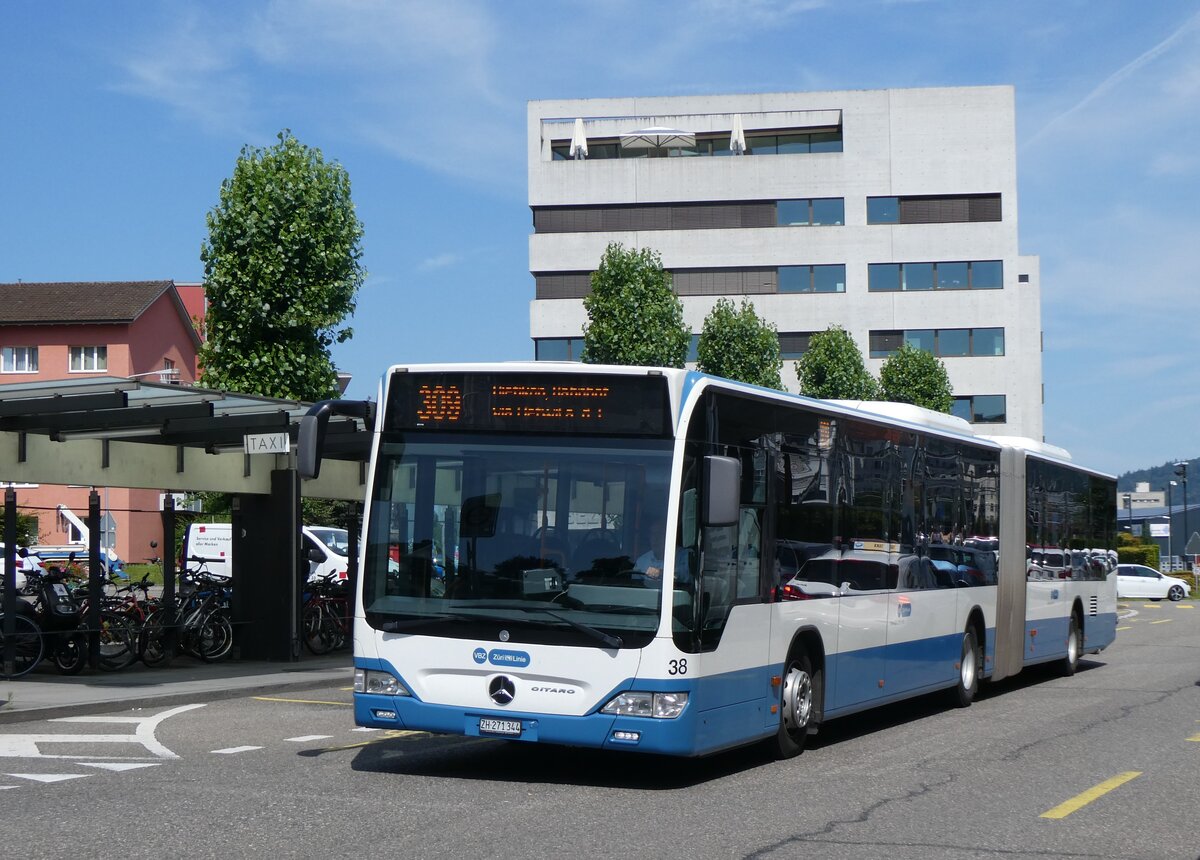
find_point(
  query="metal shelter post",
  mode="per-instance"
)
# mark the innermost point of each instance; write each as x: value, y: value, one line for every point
x: 268, y: 570
x: 169, y: 553
x: 95, y: 579
x: 10, y: 580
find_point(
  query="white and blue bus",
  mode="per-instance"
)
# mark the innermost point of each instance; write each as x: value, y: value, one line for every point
x: 664, y: 561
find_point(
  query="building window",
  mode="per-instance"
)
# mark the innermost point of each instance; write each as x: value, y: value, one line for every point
x: 793, y: 344
x: 776, y: 143
x: 981, y: 408
x: 883, y: 210
x: 790, y: 144
x: 915, y: 277
x: 817, y: 212
x: 930, y: 209
x: 89, y: 359
x: 693, y: 353
x: 19, y: 359
x: 812, y: 279
x: 944, y: 342
x: 558, y: 348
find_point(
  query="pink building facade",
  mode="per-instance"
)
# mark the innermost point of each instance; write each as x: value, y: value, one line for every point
x: 80, y: 331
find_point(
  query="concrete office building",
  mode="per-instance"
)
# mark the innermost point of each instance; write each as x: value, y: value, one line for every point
x: 892, y: 213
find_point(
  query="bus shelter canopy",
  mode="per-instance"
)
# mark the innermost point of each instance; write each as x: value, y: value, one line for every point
x: 113, y: 431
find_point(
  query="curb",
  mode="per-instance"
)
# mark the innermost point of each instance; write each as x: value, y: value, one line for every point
x: 170, y: 697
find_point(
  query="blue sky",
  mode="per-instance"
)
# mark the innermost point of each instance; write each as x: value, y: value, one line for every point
x: 121, y: 119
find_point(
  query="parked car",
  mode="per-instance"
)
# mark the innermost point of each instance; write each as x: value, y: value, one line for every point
x: 324, y: 549
x: 25, y: 561
x: 1137, y: 580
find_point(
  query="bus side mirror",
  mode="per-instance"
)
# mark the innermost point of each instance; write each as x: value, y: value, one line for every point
x: 309, y: 442
x: 722, y: 490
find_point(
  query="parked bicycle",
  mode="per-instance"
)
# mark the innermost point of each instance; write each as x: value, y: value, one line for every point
x: 326, y: 621
x: 27, y: 646
x: 199, y: 617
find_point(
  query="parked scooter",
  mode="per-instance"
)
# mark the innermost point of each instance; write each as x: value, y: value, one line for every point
x: 59, y: 616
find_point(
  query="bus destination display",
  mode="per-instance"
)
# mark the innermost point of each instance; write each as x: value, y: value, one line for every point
x: 537, y: 402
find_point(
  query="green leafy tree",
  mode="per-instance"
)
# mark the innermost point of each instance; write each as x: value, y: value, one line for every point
x: 738, y: 344
x: 633, y: 315
x: 832, y: 368
x: 27, y: 528
x: 281, y: 271
x: 916, y: 376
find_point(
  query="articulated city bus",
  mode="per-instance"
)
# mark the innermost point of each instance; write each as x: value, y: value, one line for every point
x: 664, y: 561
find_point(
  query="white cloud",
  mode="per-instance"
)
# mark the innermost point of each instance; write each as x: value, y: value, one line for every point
x: 440, y: 261
x: 1174, y: 164
x: 1107, y: 107
x: 192, y: 73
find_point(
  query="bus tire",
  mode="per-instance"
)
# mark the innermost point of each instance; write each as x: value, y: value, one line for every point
x: 969, y: 665
x: 796, y: 706
x: 1074, y: 646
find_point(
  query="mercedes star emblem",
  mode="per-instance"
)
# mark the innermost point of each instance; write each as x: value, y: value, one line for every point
x: 502, y: 690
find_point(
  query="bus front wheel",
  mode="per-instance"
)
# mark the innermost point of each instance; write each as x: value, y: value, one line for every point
x: 796, y: 706
x: 1074, y: 645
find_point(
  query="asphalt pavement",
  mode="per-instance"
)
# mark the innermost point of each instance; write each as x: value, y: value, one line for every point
x: 44, y: 694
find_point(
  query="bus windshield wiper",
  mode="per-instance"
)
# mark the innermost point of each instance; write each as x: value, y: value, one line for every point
x: 599, y: 635
x: 408, y: 625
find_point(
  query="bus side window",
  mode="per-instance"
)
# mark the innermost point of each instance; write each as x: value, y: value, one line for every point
x: 749, y: 553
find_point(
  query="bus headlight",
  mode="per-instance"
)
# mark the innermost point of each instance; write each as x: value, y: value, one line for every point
x: 381, y: 683
x: 634, y: 703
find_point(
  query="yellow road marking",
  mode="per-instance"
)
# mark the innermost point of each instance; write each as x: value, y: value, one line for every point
x: 1163, y: 621
x: 386, y: 735
x: 345, y: 688
x: 1195, y: 738
x: 1151, y: 606
x: 1124, y: 628
x: 1081, y: 800
x: 303, y: 701
x: 1184, y: 606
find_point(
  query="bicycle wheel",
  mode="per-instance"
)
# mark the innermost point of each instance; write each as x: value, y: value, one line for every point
x: 27, y: 646
x: 315, y: 624
x: 213, y: 638
x: 118, y: 644
x: 70, y: 653
x: 152, y: 642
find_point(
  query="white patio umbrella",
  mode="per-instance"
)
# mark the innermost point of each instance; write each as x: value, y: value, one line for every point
x: 658, y: 137
x: 737, y: 137
x: 578, y: 141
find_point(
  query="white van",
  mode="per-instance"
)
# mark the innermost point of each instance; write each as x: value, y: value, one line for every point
x: 324, y: 548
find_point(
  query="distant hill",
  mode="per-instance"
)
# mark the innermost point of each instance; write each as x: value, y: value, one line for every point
x: 1157, y: 477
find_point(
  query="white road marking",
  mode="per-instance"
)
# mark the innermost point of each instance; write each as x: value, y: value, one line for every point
x: 29, y: 746
x: 120, y: 765
x: 305, y: 738
x: 48, y: 777
x: 364, y: 729
x: 232, y: 750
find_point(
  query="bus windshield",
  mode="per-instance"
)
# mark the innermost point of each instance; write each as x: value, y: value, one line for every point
x: 547, y: 537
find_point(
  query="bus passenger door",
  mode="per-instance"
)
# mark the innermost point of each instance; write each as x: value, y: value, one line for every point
x: 922, y: 618
x: 863, y: 627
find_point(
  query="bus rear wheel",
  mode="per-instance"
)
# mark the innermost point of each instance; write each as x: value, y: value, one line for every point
x: 969, y: 665
x: 796, y: 706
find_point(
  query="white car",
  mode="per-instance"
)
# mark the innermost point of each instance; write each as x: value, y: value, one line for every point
x: 25, y: 561
x: 326, y: 548
x: 1137, y: 580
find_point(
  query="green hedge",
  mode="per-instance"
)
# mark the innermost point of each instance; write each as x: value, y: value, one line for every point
x: 1146, y: 554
